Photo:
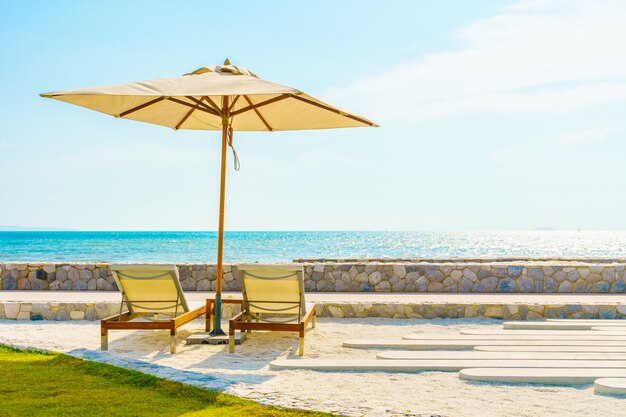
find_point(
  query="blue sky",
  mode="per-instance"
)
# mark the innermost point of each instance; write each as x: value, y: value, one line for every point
x: 495, y: 115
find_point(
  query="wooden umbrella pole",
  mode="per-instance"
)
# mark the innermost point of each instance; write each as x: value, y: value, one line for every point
x: 217, y: 329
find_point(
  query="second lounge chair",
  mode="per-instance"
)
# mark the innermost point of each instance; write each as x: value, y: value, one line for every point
x: 273, y: 296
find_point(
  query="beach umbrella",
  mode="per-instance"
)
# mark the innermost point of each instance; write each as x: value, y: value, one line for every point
x: 227, y: 98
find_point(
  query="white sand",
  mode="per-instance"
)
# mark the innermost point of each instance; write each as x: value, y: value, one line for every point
x: 246, y: 373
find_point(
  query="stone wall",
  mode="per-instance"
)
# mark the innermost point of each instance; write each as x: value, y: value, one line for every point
x: 399, y: 310
x: 554, y: 276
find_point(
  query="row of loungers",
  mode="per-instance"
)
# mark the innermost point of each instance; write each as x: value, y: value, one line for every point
x: 152, y: 298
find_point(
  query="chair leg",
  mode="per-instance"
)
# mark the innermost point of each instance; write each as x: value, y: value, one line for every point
x: 173, y: 340
x: 313, y: 320
x: 231, y: 341
x: 301, y: 344
x: 207, y: 316
x: 104, y: 338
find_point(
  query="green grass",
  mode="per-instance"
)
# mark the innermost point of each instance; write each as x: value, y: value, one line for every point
x: 42, y: 384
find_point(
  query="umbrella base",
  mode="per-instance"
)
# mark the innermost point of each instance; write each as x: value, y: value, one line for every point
x: 205, y: 338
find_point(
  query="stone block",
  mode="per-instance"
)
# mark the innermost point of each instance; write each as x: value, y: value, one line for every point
x: 103, y: 285
x: 342, y: 286
x: 85, y: 275
x: 353, y: 272
x: 601, y: 287
x: 489, y: 284
x: 507, y: 285
x: 536, y: 273
x: 608, y: 274
x: 102, y: 310
x: 188, y: 284
x: 469, y: 274
x: 411, y: 277
x: 77, y: 315
x: 23, y: 315
x: 90, y: 314
x: 323, y: 286
x: 500, y: 272
x: 375, y: 278
x: 61, y: 275
x: 63, y: 315
x: 399, y: 271
x: 421, y: 284
x: 203, y: 274
x: 494, y: 312
x: 550, y: 285
x: 10, y: 282
x: 465, y: 285
x: 590, y: 310
x: 559, y: 276
x: 525, y: 284
x: 73, y: 274
x: 203, y: 285
x: 23, y: 284
x: 38, y: 285
x: 11, y: 310
x: 607, y: 313
x: 565, y: 287
x: 514, y: 271
x: 434, y: 275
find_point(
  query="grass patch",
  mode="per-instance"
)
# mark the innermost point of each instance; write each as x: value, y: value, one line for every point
x: 51, y: 384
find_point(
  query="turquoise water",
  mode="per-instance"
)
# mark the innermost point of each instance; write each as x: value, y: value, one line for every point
x: 285, y: 246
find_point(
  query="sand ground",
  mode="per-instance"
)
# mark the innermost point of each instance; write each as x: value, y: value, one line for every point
x: 246, y: 373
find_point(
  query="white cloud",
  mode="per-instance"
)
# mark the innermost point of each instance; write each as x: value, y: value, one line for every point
x: 534, y: 56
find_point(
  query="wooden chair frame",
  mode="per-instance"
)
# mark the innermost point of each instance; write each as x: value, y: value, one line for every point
x: 122, y: 322
x: 243, y: 322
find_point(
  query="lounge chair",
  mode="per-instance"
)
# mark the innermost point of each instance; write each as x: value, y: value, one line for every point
x: 273, y: 296
x: 149, y: 292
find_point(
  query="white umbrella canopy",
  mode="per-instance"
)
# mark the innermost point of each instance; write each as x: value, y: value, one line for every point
x: 224, y: 97
x: 194, y: 101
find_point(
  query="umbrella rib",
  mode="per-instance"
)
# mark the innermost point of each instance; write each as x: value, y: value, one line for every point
x: 184, y: 119
x: 259, y: 114
x: 263, y: 103
x: 201, y: 104
x: 332, y: 109
x: 141, y: 106
x: 212, y: 103
x: 184, y: 103
x: 232, y: 105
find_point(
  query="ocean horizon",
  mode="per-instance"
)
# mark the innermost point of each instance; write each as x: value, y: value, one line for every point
x: 285, y: 246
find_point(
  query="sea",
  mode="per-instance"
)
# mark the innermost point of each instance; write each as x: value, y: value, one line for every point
x: 71, y: 246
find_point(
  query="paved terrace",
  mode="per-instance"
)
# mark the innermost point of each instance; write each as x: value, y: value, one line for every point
x: 93, y: 305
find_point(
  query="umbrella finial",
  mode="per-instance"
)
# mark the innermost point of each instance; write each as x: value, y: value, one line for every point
x: 227, y: 62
